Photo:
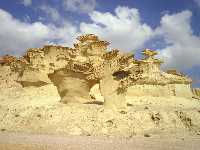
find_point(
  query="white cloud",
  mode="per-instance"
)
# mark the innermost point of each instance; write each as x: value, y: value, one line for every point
x: 123, y: 29
x: 50, y: 12
x: 80, y: 6
x: 26, y: 2
x: 16, y: 36
x: 198, y: 2
x: 65, y: 35
x: 183, y: 50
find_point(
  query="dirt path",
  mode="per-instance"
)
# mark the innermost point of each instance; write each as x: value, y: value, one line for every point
x: 13, y: 141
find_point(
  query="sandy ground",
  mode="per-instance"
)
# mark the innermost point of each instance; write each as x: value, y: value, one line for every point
x: 54, y: 142
x: 38, y: 110
x: 33, y: 118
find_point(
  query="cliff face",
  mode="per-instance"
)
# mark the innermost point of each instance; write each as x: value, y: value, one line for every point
x: 154, y: 82
x: 8, y: 78
x: 153, y: 75
x: 179, y: 90
x: 74, y: 71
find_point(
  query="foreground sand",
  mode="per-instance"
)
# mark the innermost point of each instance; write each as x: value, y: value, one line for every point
x: 38, y: 111
x: 54, y: 142
x: 33, y: 118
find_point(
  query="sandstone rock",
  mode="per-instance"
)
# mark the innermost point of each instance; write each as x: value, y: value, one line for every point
x: 8, y: 79
x: 196, y: 93
x: 96, y: 94
x: 109, y: 87
x: 92, y: 65
x: 151, y: 90
x: 183, y: 90
x: 74, y: 71
x: 72, y: 86
x: 33, y: 78
x: 179, y: 90
x: 154, y: 82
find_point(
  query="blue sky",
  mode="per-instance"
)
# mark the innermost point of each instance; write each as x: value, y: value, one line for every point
x: 170, y: 26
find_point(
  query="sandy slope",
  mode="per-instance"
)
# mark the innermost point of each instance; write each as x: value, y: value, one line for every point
x: 38, y: 110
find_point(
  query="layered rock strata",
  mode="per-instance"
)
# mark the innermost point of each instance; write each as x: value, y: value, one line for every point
x: 154, y: 82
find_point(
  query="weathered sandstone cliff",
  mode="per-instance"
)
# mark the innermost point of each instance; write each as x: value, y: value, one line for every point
x: 115, y: 75
x: 89, y: 90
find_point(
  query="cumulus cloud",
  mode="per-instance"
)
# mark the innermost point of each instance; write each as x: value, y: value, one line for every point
x: 183, y: 49
x: 26, y: 2
x: 79, y: 6
x: 123, y: 29
x: 16, y: 36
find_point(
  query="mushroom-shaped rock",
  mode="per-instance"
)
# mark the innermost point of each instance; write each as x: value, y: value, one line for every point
x: 72, y: 82
x: 114, y: 75
x: 72, y: 86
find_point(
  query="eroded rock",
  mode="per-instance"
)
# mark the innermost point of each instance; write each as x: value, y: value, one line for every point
x: 74, y: 71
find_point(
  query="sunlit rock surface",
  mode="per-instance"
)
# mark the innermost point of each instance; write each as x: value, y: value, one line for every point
x: 90, y: 90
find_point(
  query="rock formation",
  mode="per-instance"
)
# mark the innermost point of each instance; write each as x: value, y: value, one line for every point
x: 155, y: 82
x: 92, y: 65
x: 8, y: 76
x: 74, y: 71
x: 196, y: 92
